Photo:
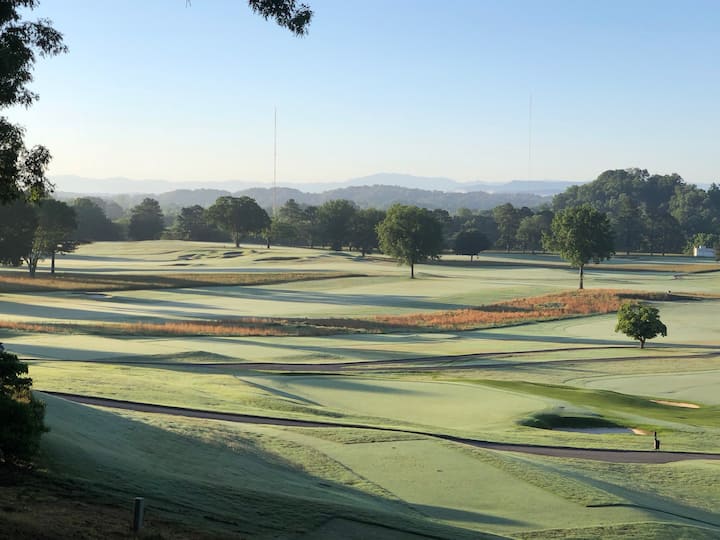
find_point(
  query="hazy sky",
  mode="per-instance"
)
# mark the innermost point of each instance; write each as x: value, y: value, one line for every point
x: 155, y: 89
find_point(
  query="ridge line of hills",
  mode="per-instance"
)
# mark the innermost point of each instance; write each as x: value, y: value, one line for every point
x: 365, y: 192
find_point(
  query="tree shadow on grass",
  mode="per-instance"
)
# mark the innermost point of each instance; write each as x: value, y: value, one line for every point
x: 465, y: 516
x: 231, y: 480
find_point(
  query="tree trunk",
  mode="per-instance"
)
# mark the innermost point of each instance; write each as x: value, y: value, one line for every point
x: 642, y: 343
x: 582, y: 271
x: 412, y: 270
x: 52, y: 264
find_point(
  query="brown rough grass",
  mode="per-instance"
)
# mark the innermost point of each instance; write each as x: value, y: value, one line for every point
x: 540, y: 308
x: 15, y: 282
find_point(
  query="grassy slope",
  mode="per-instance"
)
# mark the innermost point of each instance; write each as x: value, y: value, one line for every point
x: 204, y: 477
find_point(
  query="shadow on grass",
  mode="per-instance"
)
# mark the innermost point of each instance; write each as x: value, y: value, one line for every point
x: 466, y: 516
x: 232, y: 480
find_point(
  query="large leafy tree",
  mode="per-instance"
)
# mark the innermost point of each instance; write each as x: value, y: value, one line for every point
x: 581, y: 234
x: 146, y: 221
x: 56, y: 225
x: 335, y: 220
x: 18, y: 222
x: 192, y: 223
x: 508, y: 219
x: 410, y: 234
x: 22, y: 170
x: 532, y: 229
x: 92, y: 222
x: 471, y: 242
x: 239, y: 216
x: 364, y: 229
x: 640, y: 322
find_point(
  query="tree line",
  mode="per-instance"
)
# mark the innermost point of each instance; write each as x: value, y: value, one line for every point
x: 645, y: 213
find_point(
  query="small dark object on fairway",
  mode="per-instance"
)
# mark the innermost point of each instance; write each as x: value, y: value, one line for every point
x: 656, y: 441
x: 138, y: 513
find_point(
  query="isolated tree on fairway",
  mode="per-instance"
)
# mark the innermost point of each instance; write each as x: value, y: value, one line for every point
x: 581, y: 234
x: 410, y: 234
x: 22, y: 170
x: 640, y: 322
x: 239, y: 216
x: 56, y: 224
x: 471, y: 243
x: 146, y: 221
x: 22, y: 415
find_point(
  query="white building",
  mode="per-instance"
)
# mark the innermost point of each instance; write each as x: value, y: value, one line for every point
x: 702, y: 251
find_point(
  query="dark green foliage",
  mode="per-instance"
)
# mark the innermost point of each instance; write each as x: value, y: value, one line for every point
x: 56, y: 225
x: 193, y: 223
x: 92, y: 222
x: 22, y: 170
x: 146, y: 221
x: 410, y: 234
x: 654, y: 213
x: 532, y: 229
x: 22, y: 415
x: 581, y: 234
x: 335, y: 219
x: 287, y: 13
x: 508, y: 219
x: 471, y: 243
x: 238, y: 216
x: 364, y: 229
x: 640, y: 322
x: 18, y: 222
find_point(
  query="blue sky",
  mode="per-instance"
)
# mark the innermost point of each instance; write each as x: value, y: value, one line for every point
x: 155, y: 89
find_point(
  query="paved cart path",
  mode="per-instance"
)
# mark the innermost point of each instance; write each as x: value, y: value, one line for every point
x: 597, y: 454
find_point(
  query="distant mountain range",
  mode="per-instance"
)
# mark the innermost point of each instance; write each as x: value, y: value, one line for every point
x: 378, y: 191
x: 106, y: 186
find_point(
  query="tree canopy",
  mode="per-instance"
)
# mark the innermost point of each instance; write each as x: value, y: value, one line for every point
x: 56, y: 225
x: 410, y: 234
x: 287, y: 13
x: 239, y: 216
x: 581, y: 234
x: 471, y: 242
x: 22, y: 170
x: 640, y: 322
x: 146, y: 221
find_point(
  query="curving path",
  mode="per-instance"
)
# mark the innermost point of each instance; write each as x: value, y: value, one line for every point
x: 615, y: 456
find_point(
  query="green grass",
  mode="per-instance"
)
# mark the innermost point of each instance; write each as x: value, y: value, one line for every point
x: 263, y: 481
x: 215, y: 476
x: 614, y: 404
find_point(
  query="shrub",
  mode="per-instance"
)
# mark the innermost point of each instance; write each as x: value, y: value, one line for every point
x: 22, y: 415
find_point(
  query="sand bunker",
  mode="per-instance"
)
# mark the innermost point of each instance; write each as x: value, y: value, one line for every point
x: 676, y: 404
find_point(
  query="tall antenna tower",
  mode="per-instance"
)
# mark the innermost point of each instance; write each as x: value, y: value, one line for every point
x: 530, y: 112
x: 275, y: 166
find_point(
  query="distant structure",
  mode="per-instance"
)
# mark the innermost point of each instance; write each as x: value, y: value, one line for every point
x: 702, y: 251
